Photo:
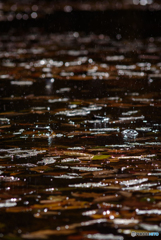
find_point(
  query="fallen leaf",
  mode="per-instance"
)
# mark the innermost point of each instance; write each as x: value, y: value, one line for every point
x: 100, y: 157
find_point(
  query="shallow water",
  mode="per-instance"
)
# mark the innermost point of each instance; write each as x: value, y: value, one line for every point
x: 80, y: 136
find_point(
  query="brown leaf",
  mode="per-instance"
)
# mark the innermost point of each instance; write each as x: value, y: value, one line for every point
x: 18, y: 209
x: 104, y: 173
x: 43, y: 234
x: 86, y: 194
x: 41, y: 169
x: 107, y: 198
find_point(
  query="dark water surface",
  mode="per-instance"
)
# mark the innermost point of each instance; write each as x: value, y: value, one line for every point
x: 80, y: 145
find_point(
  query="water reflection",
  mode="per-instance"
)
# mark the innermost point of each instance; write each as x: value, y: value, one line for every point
x: 80, y: 136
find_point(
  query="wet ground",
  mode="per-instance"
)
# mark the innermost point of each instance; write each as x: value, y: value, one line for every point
x: 80, y: 131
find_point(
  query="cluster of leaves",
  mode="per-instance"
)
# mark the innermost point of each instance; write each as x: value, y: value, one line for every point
x: 67, y: 163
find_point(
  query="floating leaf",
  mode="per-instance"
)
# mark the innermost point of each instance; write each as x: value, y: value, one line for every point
x: 18, y: 209
x: 86, y: 195
x: 110, y: 198
x: 100, y: 157
x: 41, y: 169
x: 44, y: 234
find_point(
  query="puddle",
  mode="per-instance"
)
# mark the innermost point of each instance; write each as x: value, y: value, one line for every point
x: 80, y: 132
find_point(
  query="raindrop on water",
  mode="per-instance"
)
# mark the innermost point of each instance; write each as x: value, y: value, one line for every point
x: 129, y: 133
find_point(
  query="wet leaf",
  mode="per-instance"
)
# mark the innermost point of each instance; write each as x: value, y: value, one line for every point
x: 41, y: 169
x: 18, y: 209
x: 44, y: 234
x: 61, y: 203
x: 110, y: 198
x: 52, y: 199
x: 86, y: 195
x: 100, y: 157
x: 80, y: 126
x: 104, y: 173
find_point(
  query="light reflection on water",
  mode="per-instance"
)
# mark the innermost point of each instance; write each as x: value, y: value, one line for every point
x: 80, y: 137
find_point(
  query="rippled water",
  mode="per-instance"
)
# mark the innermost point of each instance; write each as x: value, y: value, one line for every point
x: 80, y: 136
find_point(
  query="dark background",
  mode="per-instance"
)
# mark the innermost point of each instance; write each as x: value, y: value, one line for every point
x: 129, y: 21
